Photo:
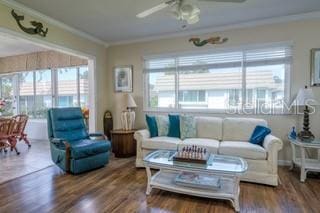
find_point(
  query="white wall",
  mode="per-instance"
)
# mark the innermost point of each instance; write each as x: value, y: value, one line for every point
x: 304, y: 35
x: 37, y: 130
x: 67, y: 41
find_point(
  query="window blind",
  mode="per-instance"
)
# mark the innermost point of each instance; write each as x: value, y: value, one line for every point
x: 252, y: 57
x: 268, y: 56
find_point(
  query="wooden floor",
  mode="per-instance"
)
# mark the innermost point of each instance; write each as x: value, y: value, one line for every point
x: 120, y: 187
x: 30, y: 160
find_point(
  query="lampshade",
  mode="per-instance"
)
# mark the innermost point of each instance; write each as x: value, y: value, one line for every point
x: 305, y: 97
x: 129, y: 102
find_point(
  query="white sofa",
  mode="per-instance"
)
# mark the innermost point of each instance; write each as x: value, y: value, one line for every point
x: 228, y: 136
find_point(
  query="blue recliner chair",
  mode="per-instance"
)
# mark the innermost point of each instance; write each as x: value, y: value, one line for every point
x: 71, y: 147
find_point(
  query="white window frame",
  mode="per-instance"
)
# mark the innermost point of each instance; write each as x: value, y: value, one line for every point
x: 178, y: 109
x: 54, y: 86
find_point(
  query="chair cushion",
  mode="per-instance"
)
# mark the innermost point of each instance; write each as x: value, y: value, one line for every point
x: 240, y: 129
x: 68, y: 124
x: 209, y: 127
x: 243, y: 149
x: 86, y: 148
x: 169, y: 143
x: 211, y: 145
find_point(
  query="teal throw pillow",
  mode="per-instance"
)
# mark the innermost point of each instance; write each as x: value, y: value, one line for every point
x: 187, y: 127
x: 152, y: 125
x: 174, y: 126
x: 258, y: 135
x: 163, y: 125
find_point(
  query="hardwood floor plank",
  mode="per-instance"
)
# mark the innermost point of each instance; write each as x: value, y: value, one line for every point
x: 120, y: 187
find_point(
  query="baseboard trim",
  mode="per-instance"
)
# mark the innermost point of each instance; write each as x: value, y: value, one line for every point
x: 284, y: 162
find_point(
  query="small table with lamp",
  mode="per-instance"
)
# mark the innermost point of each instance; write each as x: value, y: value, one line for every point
x: 306, y: 164
x: 305, y: 139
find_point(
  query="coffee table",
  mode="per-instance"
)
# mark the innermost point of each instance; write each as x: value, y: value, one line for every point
x: 226, y: 168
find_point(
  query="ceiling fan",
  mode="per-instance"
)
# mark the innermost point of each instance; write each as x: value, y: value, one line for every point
x: 182, y: 10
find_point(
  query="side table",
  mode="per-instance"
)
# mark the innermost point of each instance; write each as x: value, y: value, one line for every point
x: 306, y: 164
x: 123, y: 143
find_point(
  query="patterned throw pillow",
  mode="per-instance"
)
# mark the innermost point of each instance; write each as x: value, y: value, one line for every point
x: 163, y: 125
x: 187, y: 127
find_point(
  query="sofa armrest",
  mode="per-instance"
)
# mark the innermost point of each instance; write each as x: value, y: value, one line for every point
x: 141, y: 134
x: 272, y: 143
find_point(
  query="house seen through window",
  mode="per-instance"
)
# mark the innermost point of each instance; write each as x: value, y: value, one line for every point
x: 33, y: 92
x: 251, y: 78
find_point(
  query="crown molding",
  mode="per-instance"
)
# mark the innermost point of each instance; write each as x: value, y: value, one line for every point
x: 243, y: 25
x: 36, y: 14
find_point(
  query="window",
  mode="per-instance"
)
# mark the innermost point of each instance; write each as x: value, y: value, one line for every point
x: 244, y: 79
x: 67, y: 87
x: 26, y: 93
x: 36, y: 90
x: 7, y: 93
x: 43, y: 93
x: 84, y: 86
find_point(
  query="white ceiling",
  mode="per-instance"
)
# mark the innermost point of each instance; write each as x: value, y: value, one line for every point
x: 10, y: 46
x: 115, y: 20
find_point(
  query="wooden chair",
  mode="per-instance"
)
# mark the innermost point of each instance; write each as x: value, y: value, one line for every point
x: 20, y: 122
x: 6, y: 137
x: 4, y: 143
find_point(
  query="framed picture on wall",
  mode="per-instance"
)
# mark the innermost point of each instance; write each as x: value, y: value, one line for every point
x: 315, y: 67
x: 123, y: 79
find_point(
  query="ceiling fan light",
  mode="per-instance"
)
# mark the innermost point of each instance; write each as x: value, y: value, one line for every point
x: 188, y: 11
x: 176, y: 15
x: 193, y: 19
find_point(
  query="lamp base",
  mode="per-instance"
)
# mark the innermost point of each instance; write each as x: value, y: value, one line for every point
x: 306, y: 136
x: 127, y: 120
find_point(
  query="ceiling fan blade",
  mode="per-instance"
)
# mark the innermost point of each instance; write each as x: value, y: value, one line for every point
x: 230, y: 1
x: 155, y: 9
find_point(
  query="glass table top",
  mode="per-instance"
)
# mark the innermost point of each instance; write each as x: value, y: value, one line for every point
x: 216, y: 163
x: 297, y: 141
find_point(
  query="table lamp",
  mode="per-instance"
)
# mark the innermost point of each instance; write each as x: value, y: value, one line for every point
x: 305, y: 98
x: 128, y: 115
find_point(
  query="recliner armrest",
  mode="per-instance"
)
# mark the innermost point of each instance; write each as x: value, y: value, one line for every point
x: 97, y: 136
x: 59, y: 143
x: 141, y: 134
x: 272, y: 143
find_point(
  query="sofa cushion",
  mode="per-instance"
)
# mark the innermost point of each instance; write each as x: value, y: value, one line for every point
x: 240, y: 129
x: 169, y: 143
x: 242, y: 149
x: 211, y: 145
x: 174, y: 126
x: 209, y: 127
x: 86, y: 148
x: 187, y: 127
x: 152, y: 125
x: 258, y: 135
x: 163, y: 125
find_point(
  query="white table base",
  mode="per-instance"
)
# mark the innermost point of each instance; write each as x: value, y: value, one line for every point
x: 164, y: 180
x: 306, y: 164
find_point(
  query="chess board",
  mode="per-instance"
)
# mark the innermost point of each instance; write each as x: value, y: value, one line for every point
x: 192, y: 154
